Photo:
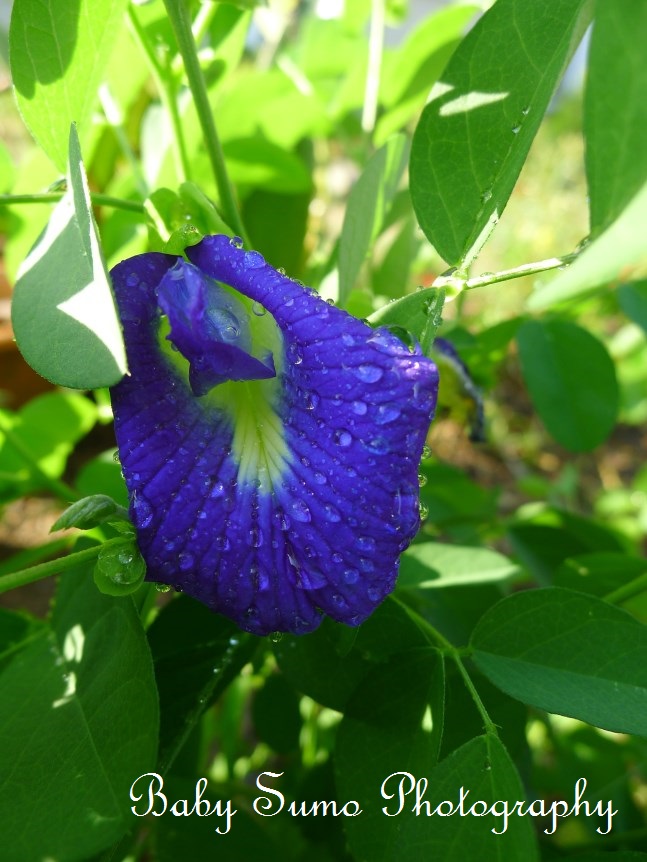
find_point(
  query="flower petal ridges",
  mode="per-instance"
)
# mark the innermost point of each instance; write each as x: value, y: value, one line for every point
x: 282, y: 494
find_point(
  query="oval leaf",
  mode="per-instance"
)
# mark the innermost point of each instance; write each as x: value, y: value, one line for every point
x: 63, y: 310
x: 483, y: 769
x: 59, y: 704
x: 568, y: 653
x: 59, y: 52
x: 615, y: 115
x: 475, y: 133
x: 572, y: 382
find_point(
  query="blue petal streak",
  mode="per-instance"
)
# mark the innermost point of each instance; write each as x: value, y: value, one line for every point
x: 317, y: 523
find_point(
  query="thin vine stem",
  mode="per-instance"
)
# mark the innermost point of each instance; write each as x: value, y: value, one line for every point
x: 455, y: 654
x: 54, y: 197
x: 55, y: 567
x: 627, y: 591
x: 167, y: 92
x: 181, y: 24
x: 455, y: 282
x: 375, y: 51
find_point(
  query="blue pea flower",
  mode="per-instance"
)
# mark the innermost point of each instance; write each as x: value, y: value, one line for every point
x: 270, y: 442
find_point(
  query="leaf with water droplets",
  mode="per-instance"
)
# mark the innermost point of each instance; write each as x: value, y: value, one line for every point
x: 475, y: 133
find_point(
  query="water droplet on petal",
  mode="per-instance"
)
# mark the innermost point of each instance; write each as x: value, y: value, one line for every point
x: 422, y: 480
x: 255, y: 537
x: 359, y: 407
x: 337, y: 557
x: 185, y: 561
x: 342, y: 437
x: 379, y: 445
x: 347, y: 339
x: 222, y: 543
x: 300, y: 512
x: 387, y: 413
x: 424, y: 511
x: 351, y: 576
x: 366, y: 544
x: 143, y: 513
x: 258, y: 309
x: 236, y: 241
x: 115, y: 456
x: 294, y: 354
x: 374, y: 594
x: 254, y: 260
x: 426, y: 452
x: 332, y: 514
x: 319, y: 478
x: 368, y: 373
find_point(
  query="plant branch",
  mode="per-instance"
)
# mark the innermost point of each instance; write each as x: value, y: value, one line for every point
x: 627, y: 591
x: 54, y: 197
x: 167, y: 93
x: 375, y: 50
x: 181, y: 23
x: 55, y: 567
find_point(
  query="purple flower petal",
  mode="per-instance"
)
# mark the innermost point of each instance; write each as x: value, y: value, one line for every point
x: 270, y: 500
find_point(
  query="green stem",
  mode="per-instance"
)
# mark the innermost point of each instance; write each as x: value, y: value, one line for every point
x: 115, y: 119
x: 55, y: 567
x: 54, y: 197
x: 168, y: 96
x: 456, y: 281
x: 61, y: 489
x: 181, y: 23
x: 627, y: 591
x: 375, y: 50
x: 455, y: 654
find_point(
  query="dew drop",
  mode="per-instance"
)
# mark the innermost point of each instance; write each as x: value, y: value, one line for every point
x: 255, y: 537
x: 360, y: 408
x: 258, y: 309
x: 422, y: 480
x: 143, y: 513
x: 374, y: 594
x: 332, y: 514
x: 115, y: 456
x: 236, y: 241
x: 281, y: 520
x: 424, y: 511
x: 426, y: 452
x: 337, y: 557
x: 351, y: 576
x: 342, y: 437
x: 366, y: 544
x: 185, y: 561
x: 125, y: 558
x: 319, y: 478
x: 254, y: 260
x: 379, y: 445
x: 486, y: 196
x: 516, y: 129
x: 347, y: 339
x: 387, y: 413
x: 222, y: 543
x: 276, y: 637
x: 311, y: 400
x: 294, y: 354
x: 300, y: 512
x: 368, y: 373
x: 162, y: 588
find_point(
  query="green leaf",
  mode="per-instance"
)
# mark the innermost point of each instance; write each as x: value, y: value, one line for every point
x: 571, y: 380
x: 82, y: 698
x: 119, y: 571
x: 330, y: 663
x: 103, y: 475
x: 617, y: 254
x: 48, y: 427
x: 88, y: 513
x: 393, y: 723
x: 483, y: 768
x: 368, y: 204
x: 633, y: 301
x: 63, y: 310
x: 431, y: 565
x: 599, y: 574
x: 257, y: 162
x: 474, y: 135
x: 194, y: 651
x: 615, y: 109
x: 568, y: 653
x: 419, y: 314
x: 59, y: 52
